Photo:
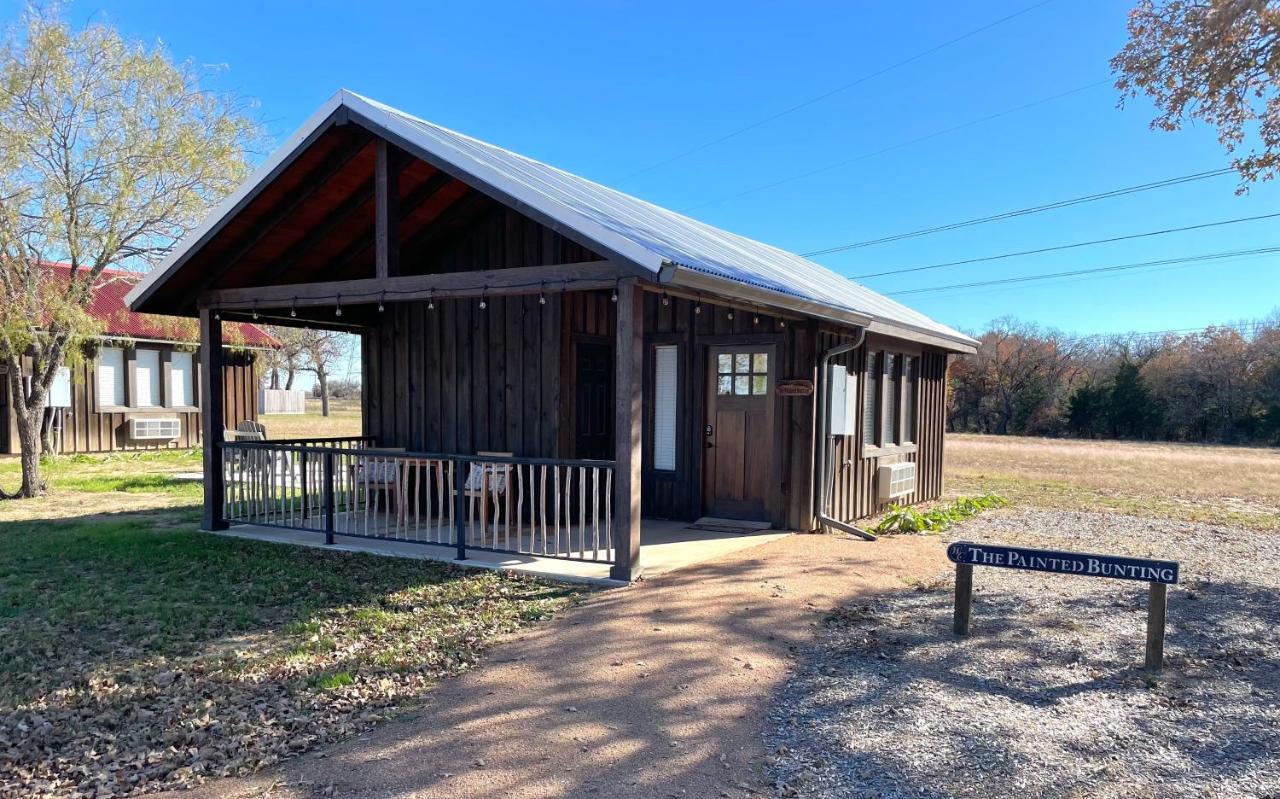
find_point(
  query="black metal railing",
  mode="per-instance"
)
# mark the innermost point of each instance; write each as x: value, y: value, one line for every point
x: 547, y: 507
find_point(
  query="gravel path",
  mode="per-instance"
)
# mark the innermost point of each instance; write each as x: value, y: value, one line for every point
x: 1047, y: 697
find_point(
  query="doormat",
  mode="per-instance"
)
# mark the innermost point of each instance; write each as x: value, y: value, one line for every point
x: 714, y: 525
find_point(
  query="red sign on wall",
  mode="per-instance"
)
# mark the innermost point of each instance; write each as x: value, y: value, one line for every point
x: 795, y: 388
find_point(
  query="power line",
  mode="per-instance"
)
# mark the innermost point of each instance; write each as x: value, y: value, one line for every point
x: 1074, y: 245
x: 1159, y: 184
x: 1096, y: 270
x: 898, y: 146
x: 842, y: 88
x: 1246, y: 329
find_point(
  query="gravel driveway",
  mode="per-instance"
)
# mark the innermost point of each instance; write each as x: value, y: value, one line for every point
x: 1047, y: 697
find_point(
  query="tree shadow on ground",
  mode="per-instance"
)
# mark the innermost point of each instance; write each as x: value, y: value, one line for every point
x: 134, y: 628
x: 1046, y: 698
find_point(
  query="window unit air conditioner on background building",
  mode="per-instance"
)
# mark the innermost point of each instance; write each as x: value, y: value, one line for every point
x: 154, y: 429
x: 896, y: 480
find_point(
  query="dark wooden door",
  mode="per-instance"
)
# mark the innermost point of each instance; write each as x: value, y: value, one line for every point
x: 593, y: 401
x: 739, y: 435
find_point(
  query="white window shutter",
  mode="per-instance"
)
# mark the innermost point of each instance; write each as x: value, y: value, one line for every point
x: 665, y: 401
x: 110, y: 377
x: 180, y: 380
x: 147, y: 378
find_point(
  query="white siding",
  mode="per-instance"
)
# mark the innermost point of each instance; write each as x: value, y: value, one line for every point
x: 147, y: 378
x: 180, y: 380
x: 665, y: 402
x: 111, y: 377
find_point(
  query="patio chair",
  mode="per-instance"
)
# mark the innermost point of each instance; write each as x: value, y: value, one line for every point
x: 489, y: 480
x: 372, y: 477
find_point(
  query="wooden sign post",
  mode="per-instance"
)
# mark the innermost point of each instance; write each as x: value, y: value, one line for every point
x: 1159, y: 573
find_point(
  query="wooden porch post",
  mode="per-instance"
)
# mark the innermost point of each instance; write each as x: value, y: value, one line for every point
x: 628, y: 439
x: 212, y: 403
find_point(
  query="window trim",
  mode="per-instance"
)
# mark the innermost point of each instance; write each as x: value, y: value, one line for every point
x: 124, y: 377
x: 873, y: 353
x: 166, y: 371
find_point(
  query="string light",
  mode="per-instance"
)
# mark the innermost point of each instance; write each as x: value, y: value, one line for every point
x: 542, y: 297
x: 614, y: 295
x: 731, y: 313
x: 293, y: 307
x: 337, y: 309
x: 431, y: 300
x: 755, y: 318
x: 697, y: 309
x: 380, y: 299
x: 782, y: 323
x: 255, y: 310
x: 666, y: 300
x: 484, y: 303
x: 217, y: 313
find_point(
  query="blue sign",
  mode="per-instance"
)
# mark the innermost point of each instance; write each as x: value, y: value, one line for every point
x: 1047, y: 560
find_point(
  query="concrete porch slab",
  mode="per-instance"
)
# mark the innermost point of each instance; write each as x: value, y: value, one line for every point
x: 664, y: 547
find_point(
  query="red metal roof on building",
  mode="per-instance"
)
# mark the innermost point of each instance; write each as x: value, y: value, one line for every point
x: 109, y: 307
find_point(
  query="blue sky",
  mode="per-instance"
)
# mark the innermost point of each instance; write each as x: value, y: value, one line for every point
x: 606, y: 89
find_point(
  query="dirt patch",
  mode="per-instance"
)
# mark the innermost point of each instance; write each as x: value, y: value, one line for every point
x: 1047, y: 698
x: 657, y: 690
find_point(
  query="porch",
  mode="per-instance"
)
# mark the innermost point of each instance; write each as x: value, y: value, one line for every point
x: 665, y: 546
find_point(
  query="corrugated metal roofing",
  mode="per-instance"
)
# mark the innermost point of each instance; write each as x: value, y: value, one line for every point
x: 638, y: 231
x: 671, y: 237
x: 109, y: 307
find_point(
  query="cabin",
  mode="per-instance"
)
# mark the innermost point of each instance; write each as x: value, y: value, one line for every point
x: 137, y: 383
x: 550, y: 367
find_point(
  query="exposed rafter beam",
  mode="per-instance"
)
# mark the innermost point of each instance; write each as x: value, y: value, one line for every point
x: 416, y: 199
x: 317, y: 178
x: 386, y: 199
x: 522, y: 280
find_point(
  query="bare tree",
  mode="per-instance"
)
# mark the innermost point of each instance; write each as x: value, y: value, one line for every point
x: 321, y: 351
x: 109, y: 152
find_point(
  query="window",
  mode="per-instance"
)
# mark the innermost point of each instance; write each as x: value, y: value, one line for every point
x: 110, y: 377
x: 910, y: 365
x: 742, y: 374
x: 871, y: 399
x: 889, y: 399
x: 181, y: 380
x: 146, y: 378
x: 889, y: 414
x: 665, y: 400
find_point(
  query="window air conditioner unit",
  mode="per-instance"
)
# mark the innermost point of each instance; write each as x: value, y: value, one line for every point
x: 154, y: 429
x: 896, y: 480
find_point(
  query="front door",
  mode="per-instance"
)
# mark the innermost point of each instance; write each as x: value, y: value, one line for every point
x: 739, y: 431
x: 593, y: 401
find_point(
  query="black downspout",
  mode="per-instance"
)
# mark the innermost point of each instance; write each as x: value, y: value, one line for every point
x: 824, y: 444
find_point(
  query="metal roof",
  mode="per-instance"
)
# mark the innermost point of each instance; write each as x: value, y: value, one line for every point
x: 672, y: 246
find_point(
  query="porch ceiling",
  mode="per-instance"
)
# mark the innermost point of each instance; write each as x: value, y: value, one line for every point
x: 315, y: 221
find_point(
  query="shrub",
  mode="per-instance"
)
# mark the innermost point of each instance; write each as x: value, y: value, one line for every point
x: 906, y: 519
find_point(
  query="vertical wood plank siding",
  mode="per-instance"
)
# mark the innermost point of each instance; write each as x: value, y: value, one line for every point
x: 85, y: 430
x: 461, y: 379
x: 678, y: 494
x: 854, y: 493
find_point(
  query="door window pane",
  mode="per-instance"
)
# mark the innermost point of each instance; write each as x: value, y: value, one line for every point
x: 759, y: 385
x: 724, y: 364
x: 742, y: 363
x: 724, y: 385
x: 742, y: 385
x: 760, y: 362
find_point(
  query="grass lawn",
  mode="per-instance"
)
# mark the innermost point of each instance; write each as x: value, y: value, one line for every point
x: 1230, y: 485
x: 137, y: 653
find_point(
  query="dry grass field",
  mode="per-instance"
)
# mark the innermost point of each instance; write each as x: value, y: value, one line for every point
x: 343, y: 420
x: 1232, y: 485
